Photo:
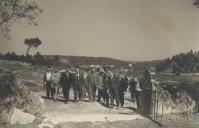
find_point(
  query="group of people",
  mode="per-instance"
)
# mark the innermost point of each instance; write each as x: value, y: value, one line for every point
x: 101, y: 84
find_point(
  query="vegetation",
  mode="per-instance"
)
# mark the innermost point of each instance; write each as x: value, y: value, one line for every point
x: 54, y: 60
x: 12, y: 11
x: 196, y: 3
x: 181, y: 63
x: 32, y: 43
x: 37, y: 59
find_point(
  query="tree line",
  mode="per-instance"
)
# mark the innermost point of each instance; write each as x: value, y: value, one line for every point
x: 36, y: 59
x: 180, y: 63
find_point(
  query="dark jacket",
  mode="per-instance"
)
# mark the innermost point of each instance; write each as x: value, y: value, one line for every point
x: 145, y: 82
x: 113, y: 83
x: 92, y: 79
x: 123, y: 85
x: 132, y: 84
x: 65, y: 79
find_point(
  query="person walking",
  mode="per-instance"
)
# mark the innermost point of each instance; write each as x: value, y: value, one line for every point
x: 99, y: 77
x: 113, y: 88
x: 56, y: 83
x: 123, y: 85
x: 92, y: 84
x: 147, y: 99
x: 65, y: 82
x: 81, y: 81
x: 105, y: 88
x: 138, y: 95
x: 48, y: 82
x: 87, y: 85
x: 132, y: 84
x: 77, y: 86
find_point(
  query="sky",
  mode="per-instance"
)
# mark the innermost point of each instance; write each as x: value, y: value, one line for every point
x: 122, y: 29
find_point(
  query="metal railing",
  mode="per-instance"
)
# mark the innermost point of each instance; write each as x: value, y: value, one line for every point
x: 157, y: 107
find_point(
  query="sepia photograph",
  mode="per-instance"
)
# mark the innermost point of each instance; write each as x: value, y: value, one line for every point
x: 99, y: 63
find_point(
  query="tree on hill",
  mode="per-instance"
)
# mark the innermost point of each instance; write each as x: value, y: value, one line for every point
x: 17, y: 10
x: 32, y: 43
x: 181, y: 63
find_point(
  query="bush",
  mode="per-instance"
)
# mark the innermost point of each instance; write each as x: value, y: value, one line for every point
x: 15, y: 94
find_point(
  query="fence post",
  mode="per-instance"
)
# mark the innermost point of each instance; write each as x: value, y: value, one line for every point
x: 154, y: 104
x: 162, y: 107
x: 157, y: 107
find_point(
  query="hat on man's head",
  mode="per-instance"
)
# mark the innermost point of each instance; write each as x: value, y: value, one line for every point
x: 62, y: 70
x: 130, y: 65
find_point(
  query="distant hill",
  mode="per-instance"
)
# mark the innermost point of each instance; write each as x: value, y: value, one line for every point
x: 83, y: 60
x: 140, y: 66
x: 50, y: 60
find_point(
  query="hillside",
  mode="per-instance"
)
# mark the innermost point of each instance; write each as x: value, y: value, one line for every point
x: 180, y: 63
x: 83, y: 60
x: 140, y: 66
x: 49, y: 60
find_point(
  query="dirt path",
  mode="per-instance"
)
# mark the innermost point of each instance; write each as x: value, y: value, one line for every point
x: 84, y: 111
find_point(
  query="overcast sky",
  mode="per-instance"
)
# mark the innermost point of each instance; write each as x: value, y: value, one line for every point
x: 122, y: 29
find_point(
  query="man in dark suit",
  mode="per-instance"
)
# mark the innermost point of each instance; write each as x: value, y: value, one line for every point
x: 123, y: 85
x: 77, y: 86
x: 65, y: 83
x: 132, y: 84
x: 113, y: 88
x: 105, y: 88
x: 92, y: 84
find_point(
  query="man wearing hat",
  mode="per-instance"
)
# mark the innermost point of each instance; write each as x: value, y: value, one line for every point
x: 65, y: 82
x: 123, y: 85
x: 56, y: 82
x: 78, y: 92
x: 92, y: 83
x: 113, y: 83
